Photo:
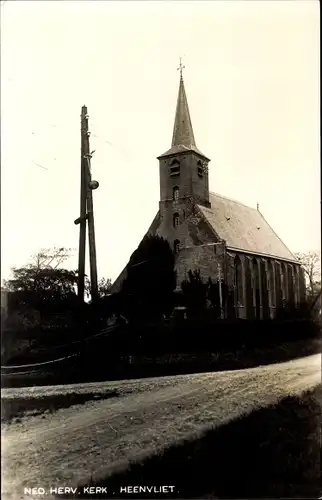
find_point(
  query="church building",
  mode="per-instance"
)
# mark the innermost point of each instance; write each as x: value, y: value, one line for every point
x: 221, y: 237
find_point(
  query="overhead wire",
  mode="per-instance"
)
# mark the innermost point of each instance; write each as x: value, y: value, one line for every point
x: 87, y: 338
x: 94, y: 134
x: 19, y: 373
x: 41, y: 166
x: 102, y: 332
x: 41, y: 363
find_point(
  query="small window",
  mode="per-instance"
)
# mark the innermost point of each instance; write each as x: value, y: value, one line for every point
x: 176, y: 246
x: 176, y: 220
x: 175, y: 171
x: 201, y: 168
x: 175, y: 168
x: 175, y: 193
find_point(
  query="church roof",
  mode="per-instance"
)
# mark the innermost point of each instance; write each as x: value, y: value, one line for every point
x: 183, y: 138
x: 244, y: 228
x: 182, y: 149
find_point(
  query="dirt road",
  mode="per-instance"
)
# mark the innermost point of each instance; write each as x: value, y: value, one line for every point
x: 99, y: 437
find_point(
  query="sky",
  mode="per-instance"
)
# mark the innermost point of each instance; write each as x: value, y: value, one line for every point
x: 252, y: 82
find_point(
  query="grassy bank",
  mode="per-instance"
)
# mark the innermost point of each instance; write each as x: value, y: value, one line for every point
x: 225, y: 360
x: 274, y: 452
x: 12, y: 410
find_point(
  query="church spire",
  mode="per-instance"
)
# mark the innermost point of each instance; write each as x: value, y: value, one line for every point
x: 183, y: 139
x: 182, y: 131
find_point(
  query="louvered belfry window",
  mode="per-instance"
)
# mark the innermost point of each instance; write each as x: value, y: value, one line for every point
x: 200, y: 169
x: 175, y: 169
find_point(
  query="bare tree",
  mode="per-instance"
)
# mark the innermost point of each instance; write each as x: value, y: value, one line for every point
x: 311, y: 263
x: 51, y: 258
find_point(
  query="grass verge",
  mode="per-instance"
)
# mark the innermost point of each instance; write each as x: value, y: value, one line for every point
x: 12, y: 410
x: 274, y: 452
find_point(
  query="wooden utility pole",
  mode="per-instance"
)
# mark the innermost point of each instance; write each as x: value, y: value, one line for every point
x: 91, y: 226
x: 86, y: 213
x: 82, y: 218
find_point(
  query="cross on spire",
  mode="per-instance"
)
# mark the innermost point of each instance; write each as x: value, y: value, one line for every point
x: 181, y: 67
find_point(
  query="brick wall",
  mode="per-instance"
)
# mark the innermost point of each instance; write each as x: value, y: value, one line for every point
x: 189, y: 182
x: 204, y: 258
x: 192, y: 230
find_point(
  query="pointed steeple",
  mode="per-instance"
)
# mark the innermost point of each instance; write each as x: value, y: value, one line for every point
x: 183, y: 138
x: 182, y: 130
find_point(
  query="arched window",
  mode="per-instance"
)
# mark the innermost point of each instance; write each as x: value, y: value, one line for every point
x: 256, y: 274
x: 249, y: 298
x: 284, y: 280
x: 176, y: 219
x: 296, y: 285
x: 278, y: 285
x: 176, y: 246
x: 256, y: 288
x: 175, y: 193
x: 270, y: 285
x: 291, y: 288
x: 239, y: 281
x: 175, y: 168
x: 282, y: 283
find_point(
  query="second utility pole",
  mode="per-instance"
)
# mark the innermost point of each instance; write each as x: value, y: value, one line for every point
x: 86, y: 213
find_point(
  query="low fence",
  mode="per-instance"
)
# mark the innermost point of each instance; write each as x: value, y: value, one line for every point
x: 154, y: 350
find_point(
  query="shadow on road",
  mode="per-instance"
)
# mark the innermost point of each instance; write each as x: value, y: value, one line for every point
x: 274, y: 452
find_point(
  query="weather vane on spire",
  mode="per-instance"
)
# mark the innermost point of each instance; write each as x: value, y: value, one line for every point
x: 181, y: 67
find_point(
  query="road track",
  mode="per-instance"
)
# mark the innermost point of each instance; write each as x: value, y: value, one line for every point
x: 98, y: 438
